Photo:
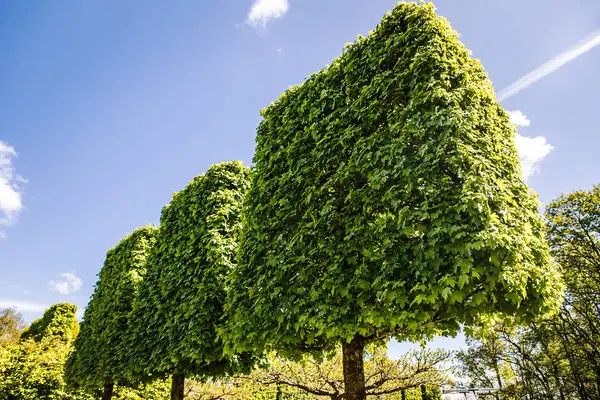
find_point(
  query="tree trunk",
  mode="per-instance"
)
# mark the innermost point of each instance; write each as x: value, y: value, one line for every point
x: 354, y: 370
x: 108, y: 391
x: 177, y: 386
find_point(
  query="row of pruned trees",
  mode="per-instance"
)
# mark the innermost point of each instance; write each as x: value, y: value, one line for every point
x: 559, y: 357
x: 386, y: 200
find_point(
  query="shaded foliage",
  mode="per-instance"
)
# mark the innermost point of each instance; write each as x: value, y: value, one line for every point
x: 179, y: 307
x: 101, y: 347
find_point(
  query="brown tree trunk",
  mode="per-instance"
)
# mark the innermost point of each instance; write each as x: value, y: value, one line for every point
x: 177, y: 386
x: 354, y: 369
x: 108, y: 391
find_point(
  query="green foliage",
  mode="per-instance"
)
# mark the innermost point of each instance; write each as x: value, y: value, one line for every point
x: 33, y: 368
x: 58, y: 323
x: 181, y: 299
x: 157, y: 390
x: 387, y: 199
x: 100, y: 348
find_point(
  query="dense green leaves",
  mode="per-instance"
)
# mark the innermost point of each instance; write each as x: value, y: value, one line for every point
x: 100, y: 348
x: 181, y: 299
x: 387, y: 199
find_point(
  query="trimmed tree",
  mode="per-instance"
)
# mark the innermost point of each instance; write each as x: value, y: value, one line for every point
x: 99, y: 361
x: 387, y: 200
x: 180, y: 305
x: 57, y: 323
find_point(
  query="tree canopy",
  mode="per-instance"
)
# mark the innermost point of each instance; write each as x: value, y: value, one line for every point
x: 100, y: 349
x: 179, y: 307
x: 387, y: 199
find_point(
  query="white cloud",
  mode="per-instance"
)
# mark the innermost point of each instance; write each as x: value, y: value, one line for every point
x: 23, y: 306
x: 262, y: 11
x: 518, y: 118
x: 532, y: 150
x: 10, y: 190
x: 70, y: 283
x: 579, y: 49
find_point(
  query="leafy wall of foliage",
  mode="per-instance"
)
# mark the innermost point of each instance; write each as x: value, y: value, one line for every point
x: 181, y: 299
x: 33, y: 368
x: 100, y: 348
x: 387, y: 198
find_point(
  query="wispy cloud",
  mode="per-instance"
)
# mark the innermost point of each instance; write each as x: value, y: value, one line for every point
x: 70, y: 283
x: 579, y: 49
x: 23, y: 306
x: 12, y: 285
x: 10, y: 188
x: 263, y: 11
x: 532, y: 150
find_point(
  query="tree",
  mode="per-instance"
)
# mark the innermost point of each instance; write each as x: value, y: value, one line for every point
x: 179, y: 307
x: 383, y: 376
x: 33, y: 368
x: 573, y: 223
x: 11, y: 325
x: 387, y: 200
x: 99, y: 359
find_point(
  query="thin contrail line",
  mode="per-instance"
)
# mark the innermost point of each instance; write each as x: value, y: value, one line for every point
x: 581, y: 48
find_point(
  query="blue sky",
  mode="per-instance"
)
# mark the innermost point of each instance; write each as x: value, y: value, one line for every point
x: 107, y: 108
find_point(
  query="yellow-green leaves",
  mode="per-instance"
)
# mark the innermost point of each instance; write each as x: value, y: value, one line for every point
x: 181, y: 299
x: 57, y: 323
x: 387, y: 199
x: 32, y: 369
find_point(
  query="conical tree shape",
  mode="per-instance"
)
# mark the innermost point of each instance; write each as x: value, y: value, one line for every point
x: 180, y: 306
x: 387, y: 200
x: 99, y: 359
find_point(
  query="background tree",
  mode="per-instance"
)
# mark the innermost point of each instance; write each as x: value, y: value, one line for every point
x: 33, y: 368
x: 387, y: 200
x: 11, y: 325
x: 555, y: 358
x: 574, y: 235
x: 181, y: 298
x: 99, y: 359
